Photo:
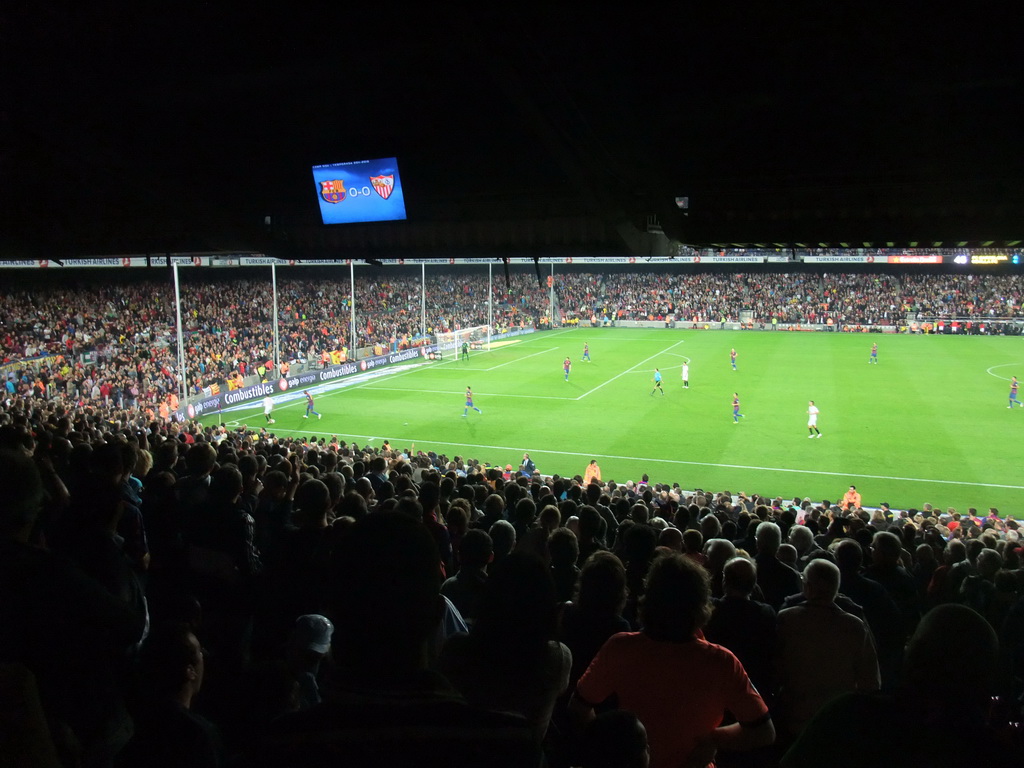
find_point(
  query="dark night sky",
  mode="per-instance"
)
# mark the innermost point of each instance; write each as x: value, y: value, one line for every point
x: 196, y: 117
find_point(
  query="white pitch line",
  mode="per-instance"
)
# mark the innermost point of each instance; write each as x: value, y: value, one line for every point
x: 475, y: 394
x: 784, y: 470
x: 629, y: 370
x: 996, y: 376
x: 520, y: 359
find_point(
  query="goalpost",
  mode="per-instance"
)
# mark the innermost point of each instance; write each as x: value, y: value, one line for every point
x: 478, y: 337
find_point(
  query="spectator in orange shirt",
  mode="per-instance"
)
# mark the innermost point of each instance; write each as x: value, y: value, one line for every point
x: 851, y: 498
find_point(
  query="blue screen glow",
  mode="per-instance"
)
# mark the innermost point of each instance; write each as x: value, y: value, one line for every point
x: 362, y: 190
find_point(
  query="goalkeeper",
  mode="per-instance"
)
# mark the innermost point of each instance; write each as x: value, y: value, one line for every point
x: 465, y: 350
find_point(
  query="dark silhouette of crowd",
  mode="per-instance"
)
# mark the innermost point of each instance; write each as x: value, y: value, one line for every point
x: 188, y: 595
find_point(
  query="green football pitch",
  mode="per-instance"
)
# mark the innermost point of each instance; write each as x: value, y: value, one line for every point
x: 929, y: 423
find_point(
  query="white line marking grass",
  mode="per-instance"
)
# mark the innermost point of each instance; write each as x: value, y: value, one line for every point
x: 629, y: 370
x: 995, y: 375
x: 475, y: 394
x: 681, y: 463
x: 520, y: 359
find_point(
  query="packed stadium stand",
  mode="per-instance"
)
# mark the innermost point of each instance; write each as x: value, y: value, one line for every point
x: 179, y: 594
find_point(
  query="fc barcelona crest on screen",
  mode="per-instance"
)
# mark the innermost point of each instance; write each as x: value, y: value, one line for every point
x: 332, y: 191
x: 383, y: 185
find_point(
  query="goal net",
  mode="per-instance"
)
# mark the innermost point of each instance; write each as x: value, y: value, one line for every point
x: 477, y: 337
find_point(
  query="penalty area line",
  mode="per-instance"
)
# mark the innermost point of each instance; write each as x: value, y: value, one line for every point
x: 629, y: 370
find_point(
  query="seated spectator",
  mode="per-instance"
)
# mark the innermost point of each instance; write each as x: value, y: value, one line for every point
x: 503, y: 539
x: 851, y: 499
x: 718, y: 552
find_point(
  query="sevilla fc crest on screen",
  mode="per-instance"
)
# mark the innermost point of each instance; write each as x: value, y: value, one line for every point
x: 383, y: 185
x: 332, y: 191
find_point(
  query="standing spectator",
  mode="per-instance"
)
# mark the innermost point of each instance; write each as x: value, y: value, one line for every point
x: 678, y: 684
x: 823, y: 651
x: 168, y: 733
x: 885, y: 568
x: 510, y: 660
x: 466, y: 588
x: 776, y: 579
x: 933, y: 713
x: 384, y: 707
x: 744, y: 625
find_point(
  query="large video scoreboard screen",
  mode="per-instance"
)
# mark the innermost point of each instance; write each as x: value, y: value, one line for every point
x: 362, y: 190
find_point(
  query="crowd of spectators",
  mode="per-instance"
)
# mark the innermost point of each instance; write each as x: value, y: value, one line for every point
x: 173, y: 594
x: 964, y: 296
x: 121, y: 337
x: 699, y: 297
x: 839, y: 299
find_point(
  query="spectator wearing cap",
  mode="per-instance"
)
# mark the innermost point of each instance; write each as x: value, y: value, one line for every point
x: 308, y: 644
